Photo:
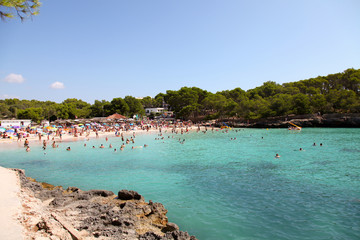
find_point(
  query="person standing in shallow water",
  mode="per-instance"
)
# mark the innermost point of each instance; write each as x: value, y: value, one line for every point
x: 26, y: 143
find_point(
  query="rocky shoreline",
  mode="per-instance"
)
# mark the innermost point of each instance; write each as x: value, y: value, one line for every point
x: 50, y: 212
x: 335, y: 120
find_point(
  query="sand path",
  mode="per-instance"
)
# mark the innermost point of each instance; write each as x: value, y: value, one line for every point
x: 10, y: 205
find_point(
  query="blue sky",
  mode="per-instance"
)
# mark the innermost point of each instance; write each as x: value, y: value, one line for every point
x: 91, y: 50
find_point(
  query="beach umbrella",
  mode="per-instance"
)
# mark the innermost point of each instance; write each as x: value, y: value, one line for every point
x: 59, y: 126
x: 2, y: 129
x: 81, y: 124
x: 15, y: 127
x: 10, y: 130
x: 87, y: 124
x: 33, y: 128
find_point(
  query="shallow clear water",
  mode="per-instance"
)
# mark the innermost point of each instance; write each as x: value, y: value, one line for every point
x: 217, y: 188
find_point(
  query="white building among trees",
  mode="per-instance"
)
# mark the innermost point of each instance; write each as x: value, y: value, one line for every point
x: 14, y: 122
x: 148, y: 111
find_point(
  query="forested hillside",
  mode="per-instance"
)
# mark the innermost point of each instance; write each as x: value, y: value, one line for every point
x: 334, y: 93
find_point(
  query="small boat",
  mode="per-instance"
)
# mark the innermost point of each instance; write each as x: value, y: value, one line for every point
x: 294, y: 127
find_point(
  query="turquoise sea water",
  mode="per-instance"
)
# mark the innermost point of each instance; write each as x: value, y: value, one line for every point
x: 217, y: 188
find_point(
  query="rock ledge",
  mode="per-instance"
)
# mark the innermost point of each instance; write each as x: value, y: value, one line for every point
x: 54, y: 213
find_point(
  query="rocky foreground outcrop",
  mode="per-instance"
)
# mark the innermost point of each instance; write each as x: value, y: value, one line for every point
x: 54, y: 213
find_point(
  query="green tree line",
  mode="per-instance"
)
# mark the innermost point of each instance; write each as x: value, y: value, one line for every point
x: 334, y: 93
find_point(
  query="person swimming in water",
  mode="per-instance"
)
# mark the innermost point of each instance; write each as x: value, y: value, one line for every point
x: 277, y: 156
x: 101, y: 146
x: 68, y: 149
x: 26, y: 143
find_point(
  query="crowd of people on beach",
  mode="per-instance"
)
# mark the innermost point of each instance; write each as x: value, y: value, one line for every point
x: 75, y: 133
x: 55, y: 134
x: 80, y: 129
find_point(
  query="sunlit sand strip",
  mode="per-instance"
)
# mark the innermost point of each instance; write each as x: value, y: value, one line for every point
x: 10, y: 205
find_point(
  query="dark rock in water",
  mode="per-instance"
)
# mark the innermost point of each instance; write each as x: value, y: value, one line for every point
x: 129, y: 195
x: 350, y: 150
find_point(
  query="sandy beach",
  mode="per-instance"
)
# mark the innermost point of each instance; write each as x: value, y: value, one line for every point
x: 10, y: 205
x: 34, y: 139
